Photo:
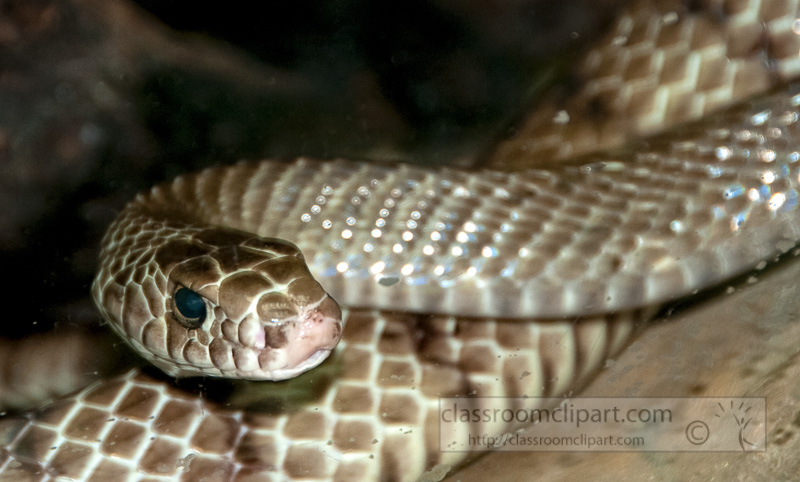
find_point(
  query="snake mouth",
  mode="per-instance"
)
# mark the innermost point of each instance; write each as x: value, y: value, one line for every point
x: 315, y: 359
x: 317, y: 331
x: 295, y: 344
x: 312, y: 361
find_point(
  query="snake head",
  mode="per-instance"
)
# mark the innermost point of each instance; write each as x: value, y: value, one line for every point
x: 221, y: 303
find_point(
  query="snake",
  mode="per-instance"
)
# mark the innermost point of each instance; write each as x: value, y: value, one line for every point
x: 355, y: 295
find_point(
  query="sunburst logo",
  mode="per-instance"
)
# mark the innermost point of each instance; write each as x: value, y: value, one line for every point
x: 742, y: 414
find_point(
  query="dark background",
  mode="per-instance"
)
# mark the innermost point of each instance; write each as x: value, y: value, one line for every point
x: 101, y: 99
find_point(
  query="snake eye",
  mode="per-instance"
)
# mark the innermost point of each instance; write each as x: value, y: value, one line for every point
x: 189, y: 308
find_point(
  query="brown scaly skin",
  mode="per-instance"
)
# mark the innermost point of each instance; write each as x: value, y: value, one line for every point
x: 371, y: 412
x: 267, y: 319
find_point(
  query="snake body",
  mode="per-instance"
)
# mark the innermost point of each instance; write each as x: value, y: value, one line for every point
x: 453, y: 282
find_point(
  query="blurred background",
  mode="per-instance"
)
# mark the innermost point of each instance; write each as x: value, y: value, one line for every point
x: 100, y: 99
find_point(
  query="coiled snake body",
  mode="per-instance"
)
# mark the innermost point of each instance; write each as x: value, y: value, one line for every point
x: 455, y: 282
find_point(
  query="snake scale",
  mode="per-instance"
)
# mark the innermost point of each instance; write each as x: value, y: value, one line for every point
x: 518, y: 279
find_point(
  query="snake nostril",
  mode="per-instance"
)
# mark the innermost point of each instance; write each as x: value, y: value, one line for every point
x: 189, y: 308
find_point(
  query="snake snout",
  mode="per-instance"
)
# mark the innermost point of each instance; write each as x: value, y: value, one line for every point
x: 294, y: 334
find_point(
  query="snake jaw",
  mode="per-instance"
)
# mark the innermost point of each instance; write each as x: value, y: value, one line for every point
x: 288, y: 347
x: 319, y: 329
x: 287, y: 330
